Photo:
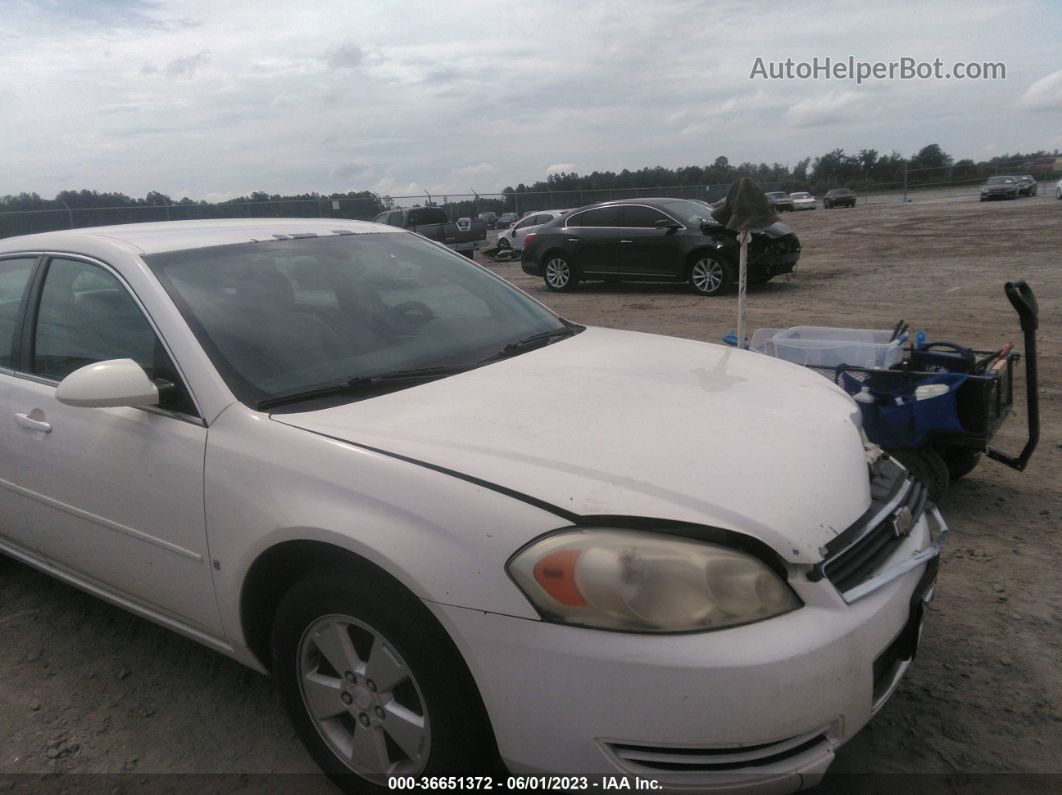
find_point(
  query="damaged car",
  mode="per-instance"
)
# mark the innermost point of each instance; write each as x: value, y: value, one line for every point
x: 314, y: 446
x: 661, y: 240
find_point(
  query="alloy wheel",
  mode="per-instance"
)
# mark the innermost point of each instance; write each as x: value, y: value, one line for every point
x: 558, y: 273
x: 707, y: 275
x: 363, y: 699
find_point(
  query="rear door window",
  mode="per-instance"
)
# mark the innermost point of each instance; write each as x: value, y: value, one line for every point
x: 14, y: 280
x: 600, y: 216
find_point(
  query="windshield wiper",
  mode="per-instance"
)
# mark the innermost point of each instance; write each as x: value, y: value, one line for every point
x: 542, y: 336
x: 360, y: 383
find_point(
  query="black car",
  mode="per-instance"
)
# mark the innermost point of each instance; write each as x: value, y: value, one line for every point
x: 780, y: 201
x: 489, y: 218
x: 838, y: 197
x: 660, y: 240
x: 1029, y: 186
x: 1001, y: 187
x: 505, y: 220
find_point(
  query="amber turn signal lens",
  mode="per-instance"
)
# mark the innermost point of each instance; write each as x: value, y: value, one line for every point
x: 556, y: 574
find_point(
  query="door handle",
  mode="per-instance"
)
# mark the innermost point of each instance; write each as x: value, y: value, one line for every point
x: 26, y: 421
x: 626, y: 241
x: 573, y: 240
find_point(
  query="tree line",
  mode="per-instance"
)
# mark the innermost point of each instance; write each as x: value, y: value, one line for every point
x: 868, y: 169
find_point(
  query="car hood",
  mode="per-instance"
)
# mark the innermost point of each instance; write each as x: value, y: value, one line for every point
x: 1002, y: 187
x: 616, y: 423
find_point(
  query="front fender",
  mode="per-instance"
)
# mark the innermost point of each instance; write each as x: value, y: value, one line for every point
x: 445, y: 539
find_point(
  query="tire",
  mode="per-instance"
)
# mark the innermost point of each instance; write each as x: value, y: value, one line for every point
x: 365, y: 670
x: 1058, y: 193
x: 960, y: 461
x: 709, y: 276
x: 503, y: 243
x: 926, y: 465
x: 559, y: 274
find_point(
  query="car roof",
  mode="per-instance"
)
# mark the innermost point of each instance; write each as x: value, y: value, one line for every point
x: 153, y: 238
x: 660, y: 202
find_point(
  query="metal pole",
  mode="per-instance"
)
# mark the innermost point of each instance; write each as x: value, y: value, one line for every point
x: 743, y: 268
x: 905, y: 182
x: 69, y: 212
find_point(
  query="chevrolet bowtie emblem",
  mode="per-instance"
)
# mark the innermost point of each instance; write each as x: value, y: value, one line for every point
x: 903, y: 522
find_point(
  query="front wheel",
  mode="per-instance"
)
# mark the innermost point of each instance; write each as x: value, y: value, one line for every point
x: 559, y: 275
x: 373, y: 685
x: 709, y: 276
x: 960, y: 461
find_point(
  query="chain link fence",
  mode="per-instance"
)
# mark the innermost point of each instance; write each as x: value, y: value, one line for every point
x: 947, y: 183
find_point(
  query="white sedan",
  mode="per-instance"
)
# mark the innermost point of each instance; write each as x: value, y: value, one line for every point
x: 452, y: 524
x: 513, y: 237
x: 802, y: 201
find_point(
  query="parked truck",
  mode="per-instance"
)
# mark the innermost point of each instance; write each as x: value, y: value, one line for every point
x: 465, y: 236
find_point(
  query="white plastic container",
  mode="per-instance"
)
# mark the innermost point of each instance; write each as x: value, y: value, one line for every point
x: 828, y: 347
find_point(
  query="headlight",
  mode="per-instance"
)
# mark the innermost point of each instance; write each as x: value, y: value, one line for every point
x: 647, y: 582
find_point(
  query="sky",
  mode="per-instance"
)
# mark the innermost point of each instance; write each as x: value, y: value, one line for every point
x: 213, y: 99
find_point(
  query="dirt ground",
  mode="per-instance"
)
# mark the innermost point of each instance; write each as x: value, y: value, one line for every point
x: 87, y: 689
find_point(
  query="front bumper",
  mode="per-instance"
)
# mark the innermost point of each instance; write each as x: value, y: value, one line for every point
x: 773, y: 264
x: 762, y: 706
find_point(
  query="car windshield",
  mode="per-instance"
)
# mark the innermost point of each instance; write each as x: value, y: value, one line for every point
x: 280, y: 317
x: 1000, y: 180
x: 778, y: 195
x: 840, y: 192
x: 800, y: 196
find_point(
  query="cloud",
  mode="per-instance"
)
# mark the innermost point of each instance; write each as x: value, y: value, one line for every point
x: 468, y: 99
x: 187, y: 65
x: 483, y: 169
x: 827, y: 109
x: 352, y: 171
x: 1044, y: 94
x: 346, y: 56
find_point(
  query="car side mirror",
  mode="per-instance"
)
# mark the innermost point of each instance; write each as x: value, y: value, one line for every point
x: 118, y: 382
x: 665, y: 223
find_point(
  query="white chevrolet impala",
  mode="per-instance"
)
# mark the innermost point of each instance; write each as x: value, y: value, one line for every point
x: 453, y: 525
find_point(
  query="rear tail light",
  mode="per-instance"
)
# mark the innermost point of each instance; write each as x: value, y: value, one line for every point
x: 528, y: 238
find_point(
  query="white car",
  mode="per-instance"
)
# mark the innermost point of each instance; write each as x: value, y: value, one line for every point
x: 802, y: 201
x: 447, y: 520
x: 513, y: 237
x: 1058, y: 189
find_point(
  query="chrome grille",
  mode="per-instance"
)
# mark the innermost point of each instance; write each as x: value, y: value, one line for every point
x: 897, y: 503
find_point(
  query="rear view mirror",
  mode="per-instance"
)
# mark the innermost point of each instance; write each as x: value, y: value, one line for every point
x: 118, y: 382
x: 664, y: 223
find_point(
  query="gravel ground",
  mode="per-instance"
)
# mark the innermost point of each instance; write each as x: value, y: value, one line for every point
x: 88, y: 691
